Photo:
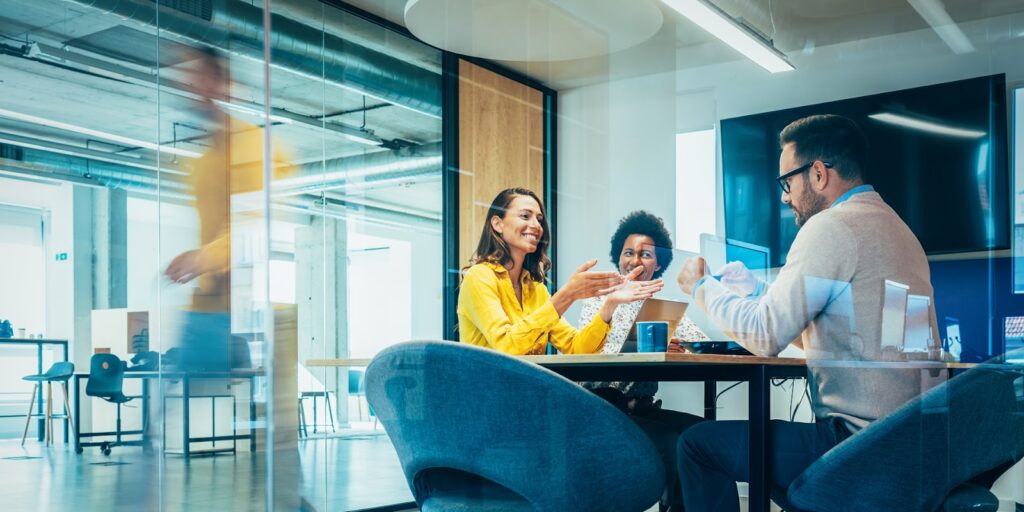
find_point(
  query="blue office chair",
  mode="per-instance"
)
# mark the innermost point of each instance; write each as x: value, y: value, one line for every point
x: 106, y: 381
x: 939, y: 452
x: 479, y: 430
x: 59, y: 372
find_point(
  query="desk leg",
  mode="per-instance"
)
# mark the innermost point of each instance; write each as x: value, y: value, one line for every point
x: 710, y: 407
x: 145, y: 416
x: 40, y: 423
x: 78, y: 413
x: 65, y: 346
x: 184, y: 415
x: 252, y: 414
x: 760, y: 415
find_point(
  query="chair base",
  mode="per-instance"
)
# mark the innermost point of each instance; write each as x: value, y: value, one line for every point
x: 454, y: 490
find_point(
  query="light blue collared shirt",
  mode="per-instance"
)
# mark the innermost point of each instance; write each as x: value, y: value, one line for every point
x: 852, y: 192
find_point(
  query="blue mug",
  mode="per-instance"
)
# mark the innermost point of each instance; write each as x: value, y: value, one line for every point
x: 652, y: 336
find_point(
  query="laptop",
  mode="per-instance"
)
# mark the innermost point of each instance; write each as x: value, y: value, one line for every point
x: 656, y: 310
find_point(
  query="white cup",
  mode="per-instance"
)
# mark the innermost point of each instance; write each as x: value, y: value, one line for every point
x: 21, y: 332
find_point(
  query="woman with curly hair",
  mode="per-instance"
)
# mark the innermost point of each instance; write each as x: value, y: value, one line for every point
x: 503, y: 301
x: 642, y: 241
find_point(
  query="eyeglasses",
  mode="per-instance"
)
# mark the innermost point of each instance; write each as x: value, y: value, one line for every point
x: 784, y: 179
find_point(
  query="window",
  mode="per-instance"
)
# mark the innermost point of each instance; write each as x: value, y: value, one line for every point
x: 696, y: 201
x: 1017, y: 150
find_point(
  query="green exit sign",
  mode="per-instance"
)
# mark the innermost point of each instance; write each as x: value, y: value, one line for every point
x: 62, y: 256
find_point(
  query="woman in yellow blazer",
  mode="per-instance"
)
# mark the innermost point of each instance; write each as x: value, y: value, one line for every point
x: 503, y: 301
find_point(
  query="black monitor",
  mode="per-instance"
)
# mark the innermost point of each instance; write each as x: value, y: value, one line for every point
x: 937, y: 154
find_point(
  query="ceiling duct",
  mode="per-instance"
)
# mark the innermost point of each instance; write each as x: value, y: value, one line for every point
x: 81, y: 171
x: 238, y: 28
x: 80, y: 165
x: 377, y: 168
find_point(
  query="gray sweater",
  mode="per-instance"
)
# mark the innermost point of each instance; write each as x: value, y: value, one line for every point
x: 829, y: 295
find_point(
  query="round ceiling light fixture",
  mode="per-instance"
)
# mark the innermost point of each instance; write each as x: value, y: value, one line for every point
x: 533, y: 30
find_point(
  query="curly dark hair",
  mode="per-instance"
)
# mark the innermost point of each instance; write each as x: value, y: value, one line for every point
x: 646, y: 223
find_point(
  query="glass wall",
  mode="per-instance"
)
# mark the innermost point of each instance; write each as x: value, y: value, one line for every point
x: 206, y: 213
x: 220, y: 210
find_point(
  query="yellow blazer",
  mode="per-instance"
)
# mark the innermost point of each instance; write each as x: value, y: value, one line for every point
x: 491, y: 316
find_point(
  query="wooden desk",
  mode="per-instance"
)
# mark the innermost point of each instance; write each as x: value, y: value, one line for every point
x: 710, y: 369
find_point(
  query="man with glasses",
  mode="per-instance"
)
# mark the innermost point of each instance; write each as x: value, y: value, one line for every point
x: 827, y: 299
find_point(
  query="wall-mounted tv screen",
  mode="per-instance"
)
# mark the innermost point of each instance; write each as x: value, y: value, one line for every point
x: 937, y: 154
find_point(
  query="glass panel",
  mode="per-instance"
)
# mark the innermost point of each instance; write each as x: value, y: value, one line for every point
x: 356, y: 233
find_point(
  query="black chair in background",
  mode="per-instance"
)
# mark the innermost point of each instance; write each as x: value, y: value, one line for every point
x: 106, y: 381
x: 59, y: 372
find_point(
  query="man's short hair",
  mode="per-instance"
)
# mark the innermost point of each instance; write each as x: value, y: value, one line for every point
x: 829, y: 138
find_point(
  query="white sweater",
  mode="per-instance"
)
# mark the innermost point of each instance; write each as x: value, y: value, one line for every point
x: 829, y: 294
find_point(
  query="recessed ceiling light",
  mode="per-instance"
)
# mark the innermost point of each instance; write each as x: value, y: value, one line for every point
x: 744, y: 40
x: 936, y: 16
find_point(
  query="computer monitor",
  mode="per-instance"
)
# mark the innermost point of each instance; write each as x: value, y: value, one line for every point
x: 918, y: 337
x: 718, y: 251
x: 894, y: 314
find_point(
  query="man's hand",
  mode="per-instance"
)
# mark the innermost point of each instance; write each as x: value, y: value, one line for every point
x: 185, y: 267
x: 692, y: 271
x: 737, y: 278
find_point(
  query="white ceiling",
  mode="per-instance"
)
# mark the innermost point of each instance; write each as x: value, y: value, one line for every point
x: 799, y: 25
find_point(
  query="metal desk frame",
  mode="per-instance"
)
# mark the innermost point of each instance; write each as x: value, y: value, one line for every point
x: 41, y: 422
x: 185, y: 378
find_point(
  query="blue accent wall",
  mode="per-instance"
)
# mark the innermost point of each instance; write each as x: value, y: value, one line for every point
x: 979, y: 293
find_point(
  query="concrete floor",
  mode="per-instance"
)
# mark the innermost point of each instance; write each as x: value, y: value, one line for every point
x: 348, y: 472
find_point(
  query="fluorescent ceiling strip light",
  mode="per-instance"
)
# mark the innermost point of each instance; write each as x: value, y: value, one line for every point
x: 719, y: 24
x: 927, y: 126
x: 352, y: 134
x: 252, y: 111
x: 934, y: 13
x: 361, y: 139
x: 98, y: 134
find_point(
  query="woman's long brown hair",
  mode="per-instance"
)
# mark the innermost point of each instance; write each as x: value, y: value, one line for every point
x: 493, y: 249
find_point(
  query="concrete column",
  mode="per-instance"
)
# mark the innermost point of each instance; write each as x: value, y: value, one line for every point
x: 82, y: 274
x: 321, y: 293
x: 110, y: 248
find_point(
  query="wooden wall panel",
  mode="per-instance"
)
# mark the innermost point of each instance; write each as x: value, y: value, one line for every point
x: 501, y: 145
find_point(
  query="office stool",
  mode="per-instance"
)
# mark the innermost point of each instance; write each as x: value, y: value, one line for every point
x: 302, y: 420
x: 59, y: 372
x: 327, y: 402
x: 106, y: 381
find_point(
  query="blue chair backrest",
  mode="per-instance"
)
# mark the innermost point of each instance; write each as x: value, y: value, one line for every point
x: 106, y: 376
x: 912, y: 458
x: 356, y: 383
x: 60, y: 371
x: 451, y: 408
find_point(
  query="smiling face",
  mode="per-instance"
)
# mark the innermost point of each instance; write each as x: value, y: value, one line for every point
x: 522, y: 226
x: 802, y: 198
x: 638, y: 250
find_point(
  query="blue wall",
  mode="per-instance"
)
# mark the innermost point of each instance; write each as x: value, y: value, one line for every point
x: 979, y: 293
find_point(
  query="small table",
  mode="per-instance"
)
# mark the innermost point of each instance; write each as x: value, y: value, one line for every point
x: 39, y: 343
x: 185, y: 378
